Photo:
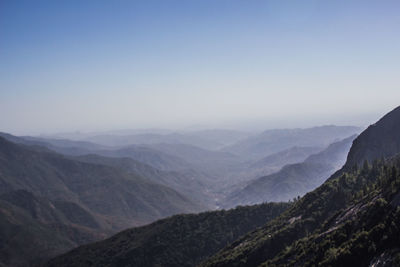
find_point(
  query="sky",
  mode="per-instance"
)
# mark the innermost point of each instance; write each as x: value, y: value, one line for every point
x: 101, y: 65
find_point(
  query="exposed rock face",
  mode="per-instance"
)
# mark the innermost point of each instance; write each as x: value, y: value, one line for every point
x: 381, y: 139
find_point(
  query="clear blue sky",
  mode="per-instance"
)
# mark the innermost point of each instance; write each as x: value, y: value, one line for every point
x: 93, y: 65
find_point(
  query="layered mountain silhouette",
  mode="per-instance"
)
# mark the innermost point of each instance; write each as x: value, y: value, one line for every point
x: 103, y: 189
x: 353, y: 219
x: 149, y: 138
x: 160, y: 167
x: 207, y: 176
x: 273, y: 141
x: 46, y: 194
x: 277, y: 160
x: 346, y: 221
x: 79, y: 192
x: 293, y: 180
x: 183, y: 182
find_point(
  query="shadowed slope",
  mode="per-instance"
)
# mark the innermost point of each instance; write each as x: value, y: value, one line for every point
x: 182, y: 240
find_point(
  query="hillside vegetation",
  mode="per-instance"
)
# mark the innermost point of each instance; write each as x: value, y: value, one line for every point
x: 51, y: 203
x: 182, y: 240
x: 351, y: 219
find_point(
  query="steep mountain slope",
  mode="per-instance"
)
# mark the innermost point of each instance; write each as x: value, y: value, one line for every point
x: 342, y: 223
x: 32, y: 228
x: 124, y: 199
x: 349, y: 220
x: 182, y: 240
x: 295, y: 179
x: 365, y: 233
x: 46, y: 210
x: 55, y: 202
x: 381, y: 139
x: 273, y: 141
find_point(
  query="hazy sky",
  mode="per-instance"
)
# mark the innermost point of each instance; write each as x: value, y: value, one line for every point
x: 94, y: 65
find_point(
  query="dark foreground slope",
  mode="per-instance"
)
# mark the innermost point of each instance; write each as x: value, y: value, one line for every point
x: 182, y: 240
x: 349, y: 220
x: 366, y: 232
x: 33, y: 229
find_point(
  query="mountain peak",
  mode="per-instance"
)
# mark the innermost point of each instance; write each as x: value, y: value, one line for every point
x: 381, y: 139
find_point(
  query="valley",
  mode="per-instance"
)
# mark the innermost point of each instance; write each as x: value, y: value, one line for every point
x: 83, y: 191
x: 206, y: 133
x: 351, y: 219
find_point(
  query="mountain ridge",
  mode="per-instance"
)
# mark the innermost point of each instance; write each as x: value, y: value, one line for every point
x: 276, y: 243
x: 379, y: 140
x: 294, y: 180
x: 167, y: 243
x: 329, y: 225
x: 45, y: 194
x: 273, y: 141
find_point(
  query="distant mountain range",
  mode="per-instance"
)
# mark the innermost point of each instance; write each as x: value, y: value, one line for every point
x: 273, y: 141
x: 352, y: 219
x: 274, y: 162
x: 79, y: 191
x: 293, y: 180
x: 212, y: 173
x: 288, y: 156
x: 208, y: 139
x: 145, y: 139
